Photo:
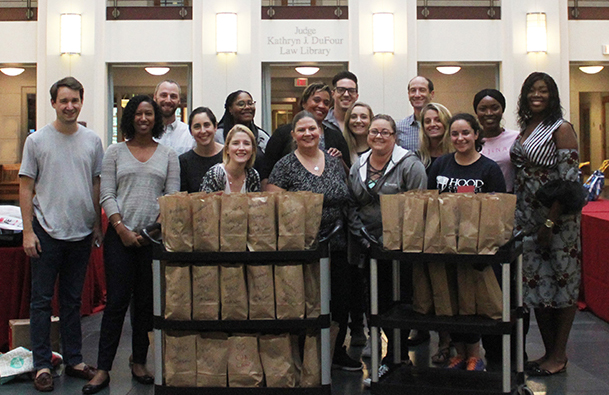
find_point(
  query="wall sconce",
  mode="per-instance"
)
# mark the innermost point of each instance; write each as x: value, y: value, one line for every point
x: 226, y: 32
x: 12, y: 71
x: 537, y: 37
x: 157, y: 70
x: 448, y: 70
x: 70, y: 34
x: 591, y: 69
x: 382, y: 32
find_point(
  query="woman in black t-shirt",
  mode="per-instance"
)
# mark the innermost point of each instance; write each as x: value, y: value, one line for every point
x: 466, y: 170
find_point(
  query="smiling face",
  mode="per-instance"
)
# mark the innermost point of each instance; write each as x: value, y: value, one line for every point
x: 240, y: 148
x: 67, y: 105
x: 359, y: 122
x: 203, y: 129
x: 345, y: 94
x: 538, y: 97
x: 378, y: 143
x: 243, y: 109
x: 306, y: 133
x: 143, y: 122
x: 167, y: 97
x: 489, y: 112
x: 318, y: 105
x: 432, y: 125
x: 418, y: 93
x: 463, y: 137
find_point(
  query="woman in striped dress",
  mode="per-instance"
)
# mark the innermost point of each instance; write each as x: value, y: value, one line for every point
x: 546, y: 150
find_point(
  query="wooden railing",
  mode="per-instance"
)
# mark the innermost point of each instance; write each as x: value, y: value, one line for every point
x: 148, y: 9
x: 18, y: 10
x: 589, y: 9
x: 458, y: 9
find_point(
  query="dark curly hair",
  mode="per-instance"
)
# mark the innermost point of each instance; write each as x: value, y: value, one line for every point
x: 228, y: 121
x: 554, y: 110
x: 129, y: 116
x: 473, y: 122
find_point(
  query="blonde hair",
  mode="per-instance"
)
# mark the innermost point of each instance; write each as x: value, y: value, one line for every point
x: 425, y: 141
x: 348, y: 133
x: 240, y: 128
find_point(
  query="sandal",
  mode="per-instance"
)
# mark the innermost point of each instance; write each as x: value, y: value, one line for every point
x: 441, y: 356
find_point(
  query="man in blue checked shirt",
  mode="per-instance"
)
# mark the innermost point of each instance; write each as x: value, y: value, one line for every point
x: 420, y: 92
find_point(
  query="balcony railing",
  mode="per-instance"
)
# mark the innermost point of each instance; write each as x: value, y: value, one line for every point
x: 305, y: 9
x: 148, y: 9
x: 589, y: 9
x: 458, y: 9
x: 18, y: 10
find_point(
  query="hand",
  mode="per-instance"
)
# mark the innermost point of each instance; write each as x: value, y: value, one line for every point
x: 335, y: 152
x: 142, y: 240
x: 129, y: 238
x: 97, y: 236
x: 544, y: 236
x: 364, y: 243
x: 31, y: 244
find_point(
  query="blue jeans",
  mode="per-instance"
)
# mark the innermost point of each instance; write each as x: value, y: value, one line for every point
x: 128, y: 274
x: 69, y: 260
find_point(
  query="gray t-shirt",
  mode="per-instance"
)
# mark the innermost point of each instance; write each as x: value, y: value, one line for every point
x: 131, y: 187
x: 63, y: 168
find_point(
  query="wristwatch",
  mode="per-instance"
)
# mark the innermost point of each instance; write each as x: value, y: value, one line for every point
x: 549, y: 223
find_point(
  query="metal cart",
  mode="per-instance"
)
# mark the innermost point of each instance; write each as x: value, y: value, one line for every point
x: 425, y: 380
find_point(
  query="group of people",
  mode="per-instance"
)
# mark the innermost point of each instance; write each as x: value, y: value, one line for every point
x: 335, y: 146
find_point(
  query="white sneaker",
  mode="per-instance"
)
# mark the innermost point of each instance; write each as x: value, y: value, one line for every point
x: 367, y: 350
x: 383, y: 370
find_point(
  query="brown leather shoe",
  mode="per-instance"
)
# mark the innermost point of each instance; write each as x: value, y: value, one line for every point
x: 44, y: 382
x: 86, y: 373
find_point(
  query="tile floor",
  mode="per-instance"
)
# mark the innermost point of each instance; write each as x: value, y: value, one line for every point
x: 588, y: 369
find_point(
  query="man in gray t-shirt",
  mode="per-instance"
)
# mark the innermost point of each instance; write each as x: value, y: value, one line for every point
x: 62, y: 162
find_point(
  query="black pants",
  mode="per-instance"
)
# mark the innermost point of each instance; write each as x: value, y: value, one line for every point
x: 128, y: 274
x: 339, y: 302
x: 385, y: 300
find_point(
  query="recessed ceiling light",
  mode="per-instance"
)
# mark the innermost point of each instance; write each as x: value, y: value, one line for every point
x: 157, y: 70
x: 448, y: 69
x: 12, y: 71
x: 591, y: 69
x: 307, y: 70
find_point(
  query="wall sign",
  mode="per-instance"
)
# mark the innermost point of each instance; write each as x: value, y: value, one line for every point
x: 304, y: 40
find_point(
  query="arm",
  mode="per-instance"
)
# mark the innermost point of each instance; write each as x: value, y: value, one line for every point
x: 273, y: 188
x: 31, y: 244
x: 97, y: 228
x: 172, y: 182
x: 211, y: 181
x: 415, y: 177
x: 275, y: 148
x: 183, y: 174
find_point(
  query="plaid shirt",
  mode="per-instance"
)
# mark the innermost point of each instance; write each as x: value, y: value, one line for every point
x: 408, y: 133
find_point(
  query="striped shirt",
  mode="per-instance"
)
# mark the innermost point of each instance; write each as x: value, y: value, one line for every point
x: 540, y: 148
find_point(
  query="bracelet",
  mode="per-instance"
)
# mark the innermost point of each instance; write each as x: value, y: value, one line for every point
x: 117, y: 223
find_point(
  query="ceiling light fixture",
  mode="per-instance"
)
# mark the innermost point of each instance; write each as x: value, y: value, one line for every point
x: 12, y: 71
x: 591, y: 69
x: 307, y: 70
x: 157, y: 70
x: 448, y: 70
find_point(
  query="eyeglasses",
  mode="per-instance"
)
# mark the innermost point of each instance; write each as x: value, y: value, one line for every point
x: 341, y: 91
x: 242, y: 104
x: 384, y: 133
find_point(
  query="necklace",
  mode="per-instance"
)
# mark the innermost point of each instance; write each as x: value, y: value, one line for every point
x: 314, y: 162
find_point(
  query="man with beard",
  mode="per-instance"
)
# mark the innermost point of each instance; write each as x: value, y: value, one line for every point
x: 176, y: 135
x: 420, y: 93
x: 344, y: 94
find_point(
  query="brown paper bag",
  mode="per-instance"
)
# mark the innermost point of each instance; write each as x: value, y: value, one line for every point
x: 205, y: 292
x: 444, y: 288
x: 180, y: 359
x: 233, y: 292
x: 314, y: 203
x: 392, y: 213
x: 489, y: 299
x: 289, y: 291
x: 261, y: 292
x: 290, y: 221
x: 178, y: 301
x: 206, y: 220
x: 413, y: 228
x: 244, y: 366
x: 311, y: 361
x: 466, y: 280
x: 422, y: 295
x: 261, y: 227
x: 449, y: 222
x: 233, y: 222
x: 312, y: 289
x: 490, y: 235
x: 433, y: 236
x: 296, y: 357
x: 469, y: 223
x: 176, y: 222
x: 277, y: 361
x: 508, y: 206
x: 212, y: 359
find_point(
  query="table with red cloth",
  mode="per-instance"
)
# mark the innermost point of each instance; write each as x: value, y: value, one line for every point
x: 595, y: 257
x: 15, y: 284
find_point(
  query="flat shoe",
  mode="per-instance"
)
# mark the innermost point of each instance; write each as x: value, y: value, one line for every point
x: 94, y: 389
x: 145, y: 379
x: 539, y: 372
x: 87, y: 373
x: 44, y: 382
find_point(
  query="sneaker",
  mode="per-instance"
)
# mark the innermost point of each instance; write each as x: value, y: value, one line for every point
x: 367, y: 350
x: 358, y: 338
x: 343, y: 361
x: 475, y: 364
x: 457, y: 363
x: 383, y: 370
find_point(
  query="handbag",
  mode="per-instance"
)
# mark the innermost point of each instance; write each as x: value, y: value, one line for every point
x: 594, y: 185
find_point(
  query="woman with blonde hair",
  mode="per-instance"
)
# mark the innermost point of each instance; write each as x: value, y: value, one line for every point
x: 434, y: 141
x: 236, y: 172
x: 357, y: 123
